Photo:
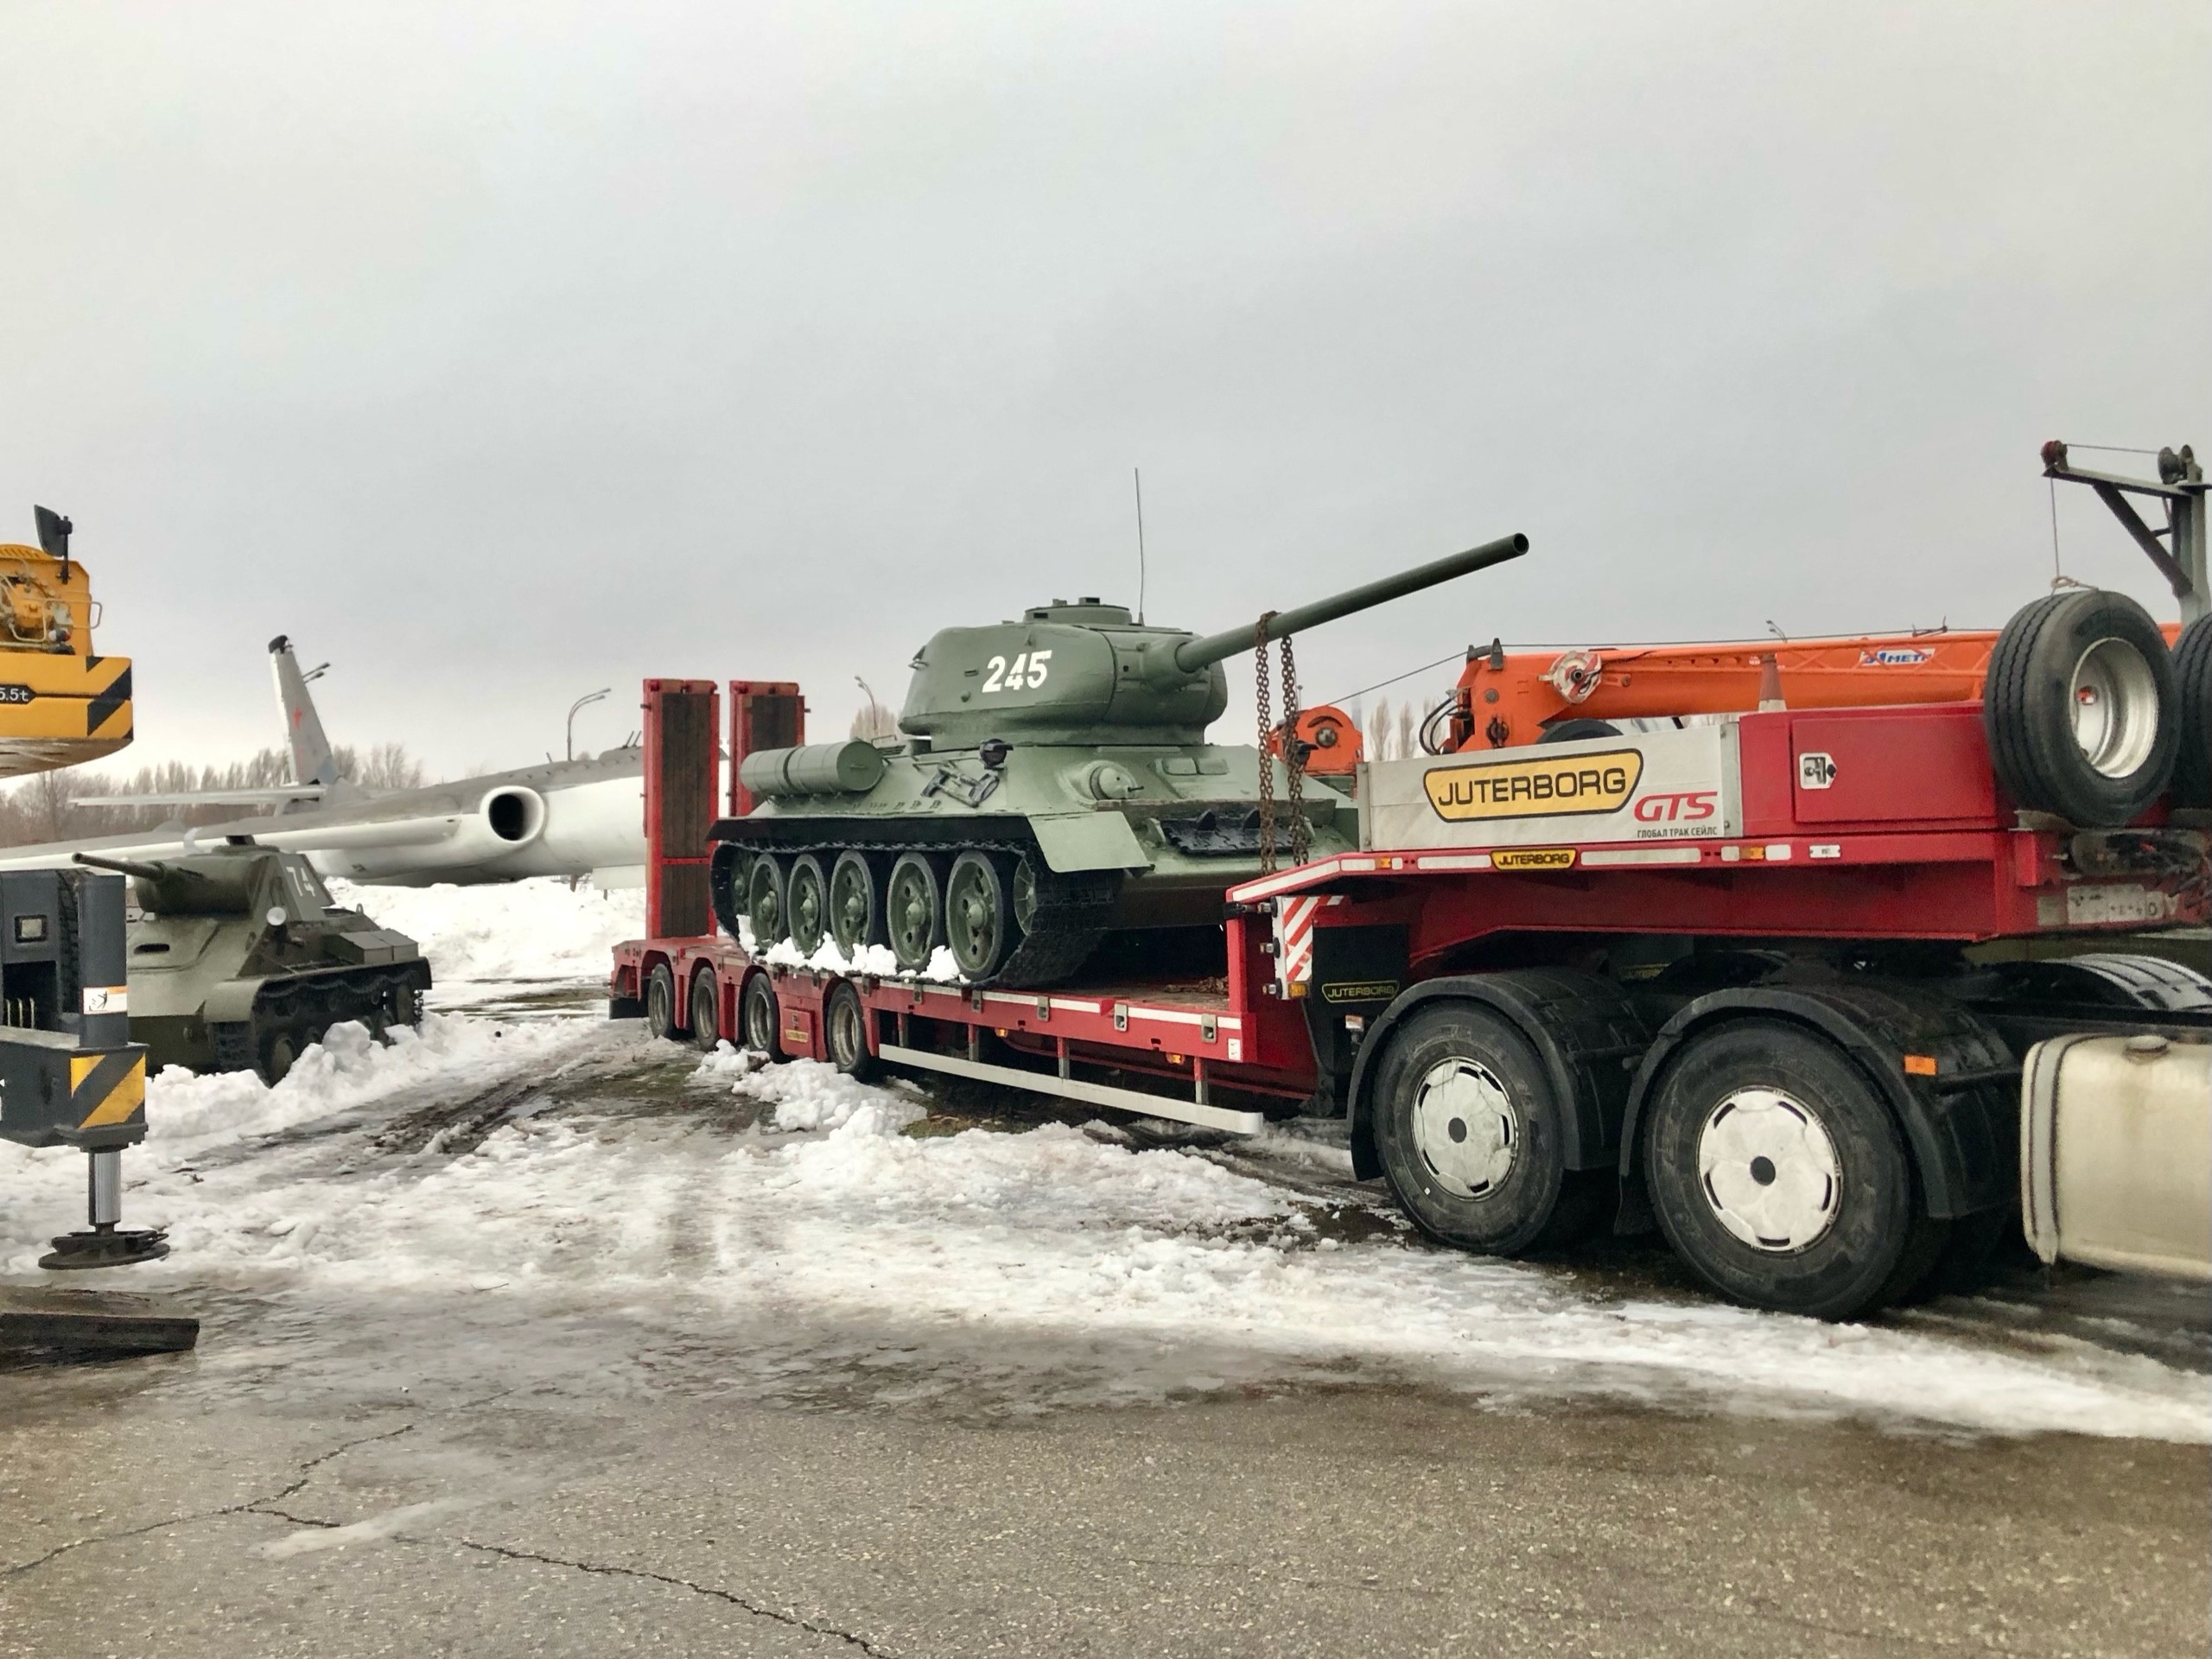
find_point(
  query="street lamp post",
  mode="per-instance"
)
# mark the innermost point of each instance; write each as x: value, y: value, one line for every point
x: 577, y: 704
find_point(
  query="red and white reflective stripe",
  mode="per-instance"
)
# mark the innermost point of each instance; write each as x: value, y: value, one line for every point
x: 1294, y: 935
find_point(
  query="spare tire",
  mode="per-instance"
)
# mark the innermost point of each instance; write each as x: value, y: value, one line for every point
x: 2193, y: 678
x: 2081, y: 708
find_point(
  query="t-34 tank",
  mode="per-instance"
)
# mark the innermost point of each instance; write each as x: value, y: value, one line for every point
x: 239, y: 959
x: 1053, y: 782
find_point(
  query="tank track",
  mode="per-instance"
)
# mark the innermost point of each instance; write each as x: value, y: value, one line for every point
x: 316, y: 1002
x: 1074, y: 912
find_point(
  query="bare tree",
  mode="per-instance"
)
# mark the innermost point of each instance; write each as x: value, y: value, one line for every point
x: 41, y: 808
x: 874, y: 722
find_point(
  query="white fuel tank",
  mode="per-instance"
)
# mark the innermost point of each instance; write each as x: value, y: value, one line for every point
x: 2116, y: 1154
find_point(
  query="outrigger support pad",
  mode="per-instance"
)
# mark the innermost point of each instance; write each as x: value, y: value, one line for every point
x: 105, y: 1243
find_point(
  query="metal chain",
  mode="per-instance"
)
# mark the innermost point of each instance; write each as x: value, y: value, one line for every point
x: 1267, y: 764
x: 1299, y: 829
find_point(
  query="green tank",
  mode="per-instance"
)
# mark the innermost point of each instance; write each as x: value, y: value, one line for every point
x: 1051, y: 784
x: 238, y: 959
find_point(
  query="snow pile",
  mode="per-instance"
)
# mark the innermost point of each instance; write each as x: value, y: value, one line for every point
x: 540, y: 929
x: 348, y: 1068
x: 233, y: 1120
x: 876, y: 959
x: 806, y: 1093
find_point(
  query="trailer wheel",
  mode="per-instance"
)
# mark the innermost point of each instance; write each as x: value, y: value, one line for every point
x: 706, y: 1011
x: 2080, y: 707
x: 1779, y: 1175
x: 660, y: 1002
x: 913, y: 909
x: 765, y: 887
x: 846, y: 1021
x: 762, y: 1020
x: 2193, y: 680
x: 1468, y: 1130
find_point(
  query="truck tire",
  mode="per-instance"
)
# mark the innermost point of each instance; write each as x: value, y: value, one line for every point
x: 844, y: 1021
x: 760, y: 1019
x: 1573, y: 731
x: 706, y: 1011
x: 2081, y: 708
x: 2193, y: 685
x: 1778, y: 1173
x: 1468, y: 1132
x: 660, y: 1003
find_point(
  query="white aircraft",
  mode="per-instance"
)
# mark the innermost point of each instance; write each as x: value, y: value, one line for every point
x: 566, y: 817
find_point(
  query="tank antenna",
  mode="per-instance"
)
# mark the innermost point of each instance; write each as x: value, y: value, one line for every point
x: 1138, y: 474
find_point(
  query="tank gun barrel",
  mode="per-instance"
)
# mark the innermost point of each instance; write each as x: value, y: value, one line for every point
x: 1192, y: 655
x: 132, y: 867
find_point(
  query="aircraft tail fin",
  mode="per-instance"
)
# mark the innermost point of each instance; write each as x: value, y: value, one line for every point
x: 313, y: 762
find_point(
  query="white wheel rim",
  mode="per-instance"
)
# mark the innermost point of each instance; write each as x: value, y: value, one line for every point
x: 1770, y: 1171
x: 1465, y: 1128
x: 2114, y: 702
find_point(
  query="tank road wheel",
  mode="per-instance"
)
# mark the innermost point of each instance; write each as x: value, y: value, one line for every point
x: 979, y: 917
x: 1780, y: 1176
x: 855, y: 903
x: 913, y: 909
x: 806, y: 902
x: 279, y: 1049
x: 764, y: 899
x: 706, y: 1011
x: 847, y: 1023
x: 760, y: 1019
x: 1468, y: 1130
x: 660, y: 1003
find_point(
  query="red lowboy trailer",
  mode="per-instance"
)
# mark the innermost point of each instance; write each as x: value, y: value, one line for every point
x: 1744, y: 979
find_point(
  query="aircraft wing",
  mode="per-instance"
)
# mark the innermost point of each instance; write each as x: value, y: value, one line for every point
x: 276, y: 797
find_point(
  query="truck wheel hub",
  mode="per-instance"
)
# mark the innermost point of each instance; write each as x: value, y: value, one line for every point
x: 1770, y: 1171
x: 1465, y: 1128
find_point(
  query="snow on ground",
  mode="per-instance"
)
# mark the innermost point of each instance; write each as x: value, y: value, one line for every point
x: 995, y: 1254
x: 503, y: 932
x: 980, y: 1245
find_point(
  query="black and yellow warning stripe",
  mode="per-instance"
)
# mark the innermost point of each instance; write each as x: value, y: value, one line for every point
x: 105, y: 1090
x: 80, y: 698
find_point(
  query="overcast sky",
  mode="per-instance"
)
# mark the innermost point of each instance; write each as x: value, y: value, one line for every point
x: 500, y: 353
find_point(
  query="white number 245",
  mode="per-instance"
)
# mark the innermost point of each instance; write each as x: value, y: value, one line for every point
x: 1028, y: 669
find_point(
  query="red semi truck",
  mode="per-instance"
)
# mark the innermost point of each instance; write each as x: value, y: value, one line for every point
x: 1762, y: 982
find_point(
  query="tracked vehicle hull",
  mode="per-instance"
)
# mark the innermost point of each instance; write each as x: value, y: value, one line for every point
x: 1181, y: 829
x: 238, y: 961
x: 1052, y: 786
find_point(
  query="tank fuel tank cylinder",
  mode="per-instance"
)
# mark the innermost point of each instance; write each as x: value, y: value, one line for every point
x: 1051, y: 783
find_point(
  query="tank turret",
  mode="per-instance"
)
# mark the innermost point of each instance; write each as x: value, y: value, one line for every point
x: 1053, y: 786
x: 1090, y: 673
x: 239, y: 959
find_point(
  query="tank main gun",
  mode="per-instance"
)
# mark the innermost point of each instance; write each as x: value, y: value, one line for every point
x: 134, y: 868
x: 1089, y: 673
x: 1191, y: 655
x: 212, y: 883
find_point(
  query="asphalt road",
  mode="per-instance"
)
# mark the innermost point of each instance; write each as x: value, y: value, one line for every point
x: 429, y: 1481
